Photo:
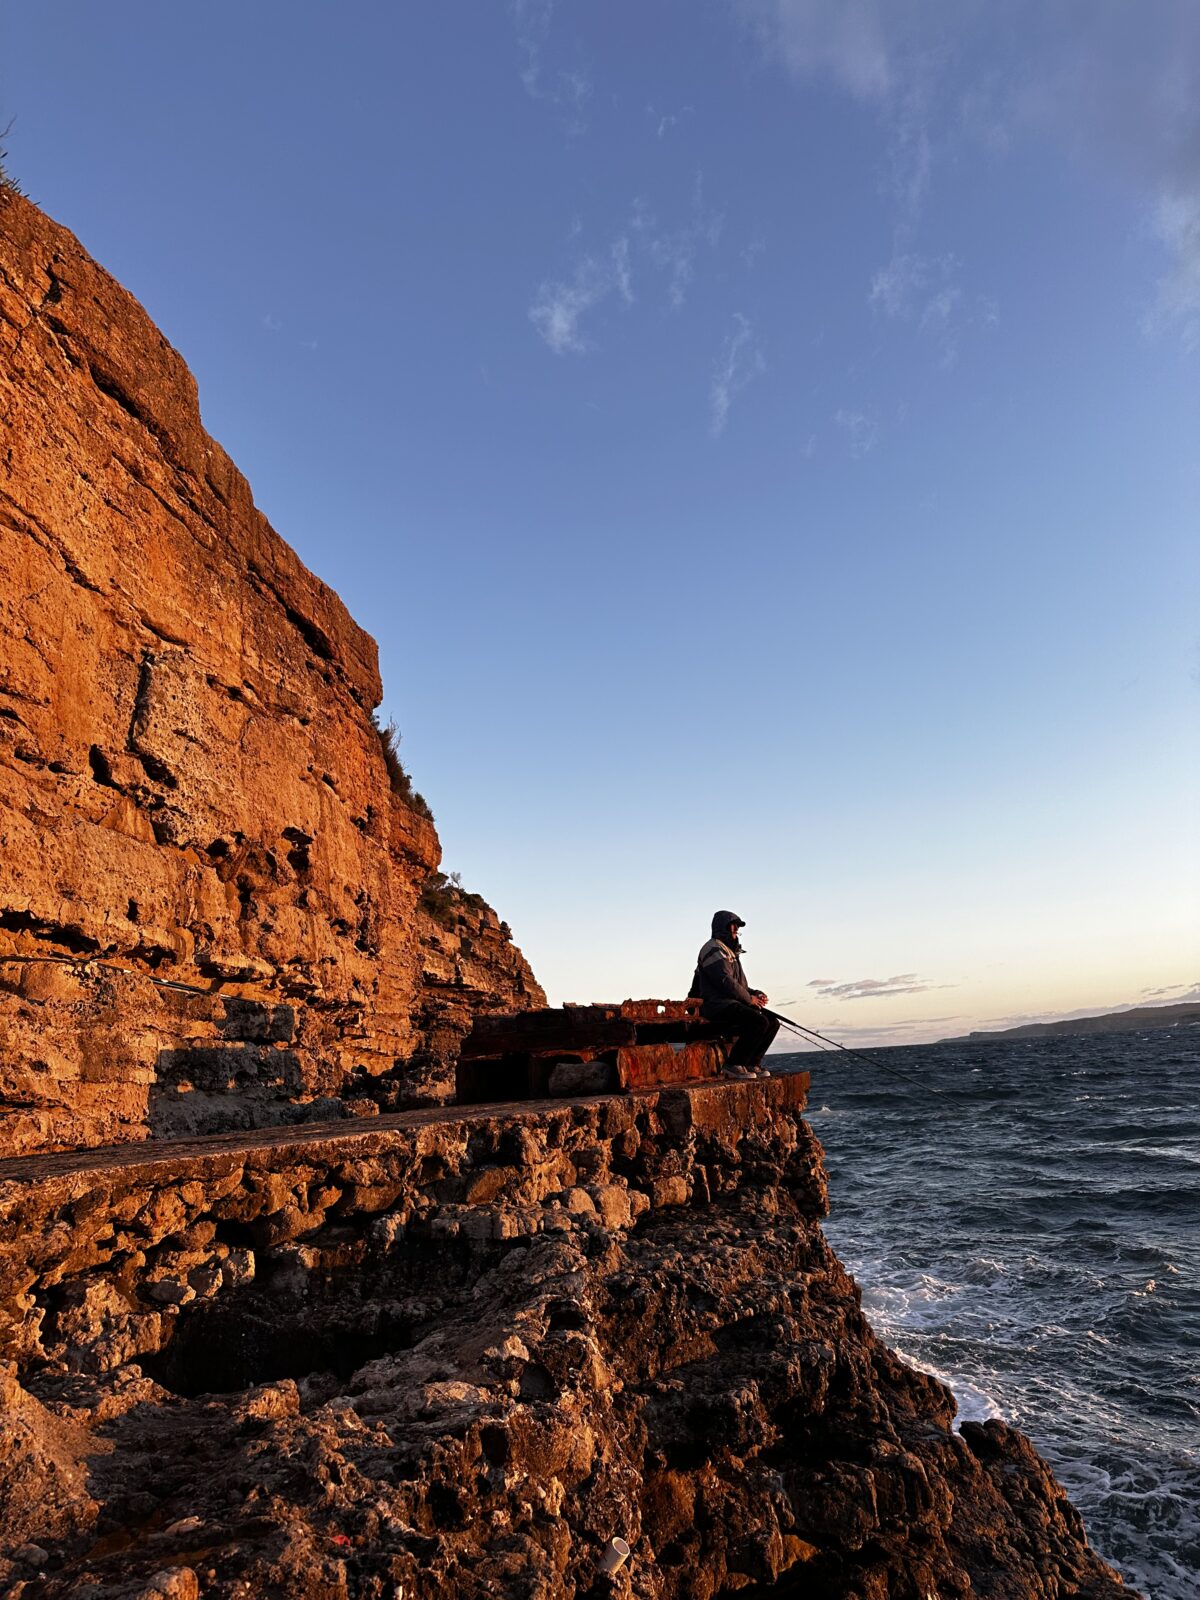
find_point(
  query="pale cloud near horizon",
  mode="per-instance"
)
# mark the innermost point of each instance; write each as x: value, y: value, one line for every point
x: 1174, y: 993
x: 901, y: 1030
x: 1170, y: 994
x: 741, y: 361
x: 878, y: 1035
x: 1117, y: 87
x: 912, y: 1025
x: 873, y: 988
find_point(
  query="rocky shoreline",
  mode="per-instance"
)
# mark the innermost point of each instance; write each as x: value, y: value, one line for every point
x: 455, y: 1354
x: 263, y: 1331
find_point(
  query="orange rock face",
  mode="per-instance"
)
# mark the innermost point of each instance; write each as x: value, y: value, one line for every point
x: 210, y: 896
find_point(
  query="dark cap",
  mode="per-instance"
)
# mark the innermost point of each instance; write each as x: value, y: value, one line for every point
x: 722, y: 919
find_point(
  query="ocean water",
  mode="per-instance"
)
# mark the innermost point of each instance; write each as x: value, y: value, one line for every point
x: 1025, y: 1224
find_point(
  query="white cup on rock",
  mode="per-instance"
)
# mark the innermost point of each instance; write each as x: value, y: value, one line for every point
x: 616, y: 1554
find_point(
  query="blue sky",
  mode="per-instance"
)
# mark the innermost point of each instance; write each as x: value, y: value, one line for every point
x: 762, y: 436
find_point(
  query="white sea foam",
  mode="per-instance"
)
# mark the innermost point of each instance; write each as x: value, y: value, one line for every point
x: 920, y: 1306
x: 974, y: 1404
x: 1136, y: 1504
x: 1039, y: 1258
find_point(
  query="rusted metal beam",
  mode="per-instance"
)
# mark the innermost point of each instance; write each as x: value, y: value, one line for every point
x: 546, y: 1030
x: 645, y: 1042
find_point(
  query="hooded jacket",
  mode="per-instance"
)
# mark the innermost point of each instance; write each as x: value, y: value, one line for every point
x: 719, y: 974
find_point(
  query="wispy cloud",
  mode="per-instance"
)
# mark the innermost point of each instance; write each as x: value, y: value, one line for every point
x: 567, y: 90
x: 844, y: 39
x: 886, y: 60
x: 874, y: 988
x: 753, y: 250
x: 647, y: 243
x: 1176, y: 224
x: 275, y: 325
x: 895, y: 289
x: 739, y: 363
x: 674, y: 249
x: 1117, y: 86
x: 1120, y: 89
x: 886, y: 55
x: 665, y: 121
x: 559, y: 306
x: 927, y: 291
x: 861, y: 430
x: 531, y: 18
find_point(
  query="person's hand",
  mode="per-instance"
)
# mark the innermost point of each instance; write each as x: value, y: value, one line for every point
x: 759, y: 998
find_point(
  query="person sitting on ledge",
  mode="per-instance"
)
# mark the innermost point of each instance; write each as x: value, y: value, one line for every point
x: 730, y: 1002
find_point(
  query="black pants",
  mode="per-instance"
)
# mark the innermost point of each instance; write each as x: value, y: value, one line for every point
x: 751, y: 1029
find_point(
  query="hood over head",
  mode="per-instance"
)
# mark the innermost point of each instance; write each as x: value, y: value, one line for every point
x: 721, y: 929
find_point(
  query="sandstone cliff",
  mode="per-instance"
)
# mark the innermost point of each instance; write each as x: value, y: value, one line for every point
x: 210, y: 896
x: 403, y: 1355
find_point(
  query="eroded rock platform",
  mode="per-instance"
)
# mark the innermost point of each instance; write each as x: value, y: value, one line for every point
x: 454, y: 1353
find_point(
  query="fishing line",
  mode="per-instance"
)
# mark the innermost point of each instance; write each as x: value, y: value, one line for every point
x: 811, y: 1034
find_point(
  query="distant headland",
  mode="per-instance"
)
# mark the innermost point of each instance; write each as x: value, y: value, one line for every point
x: 1130, y: 1021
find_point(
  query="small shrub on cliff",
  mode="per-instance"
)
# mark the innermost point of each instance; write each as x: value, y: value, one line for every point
x: 443, y: 897
x: 6, y: 181
x: 402, y: 784
x: 439, y: 897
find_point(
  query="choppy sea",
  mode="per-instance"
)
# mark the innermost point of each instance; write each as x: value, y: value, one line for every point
x: 1025, y: 1223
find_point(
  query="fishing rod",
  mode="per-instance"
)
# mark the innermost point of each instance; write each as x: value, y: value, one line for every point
x: 812, y: 1034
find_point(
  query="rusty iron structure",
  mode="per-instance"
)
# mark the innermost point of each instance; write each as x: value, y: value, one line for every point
x: 592, y: 1049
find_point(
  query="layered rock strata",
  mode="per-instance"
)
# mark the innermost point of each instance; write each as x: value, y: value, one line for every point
x: 457, y: 1354
x: 446, y: 1353
x: 469, y: 967
x: 209, y: 891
